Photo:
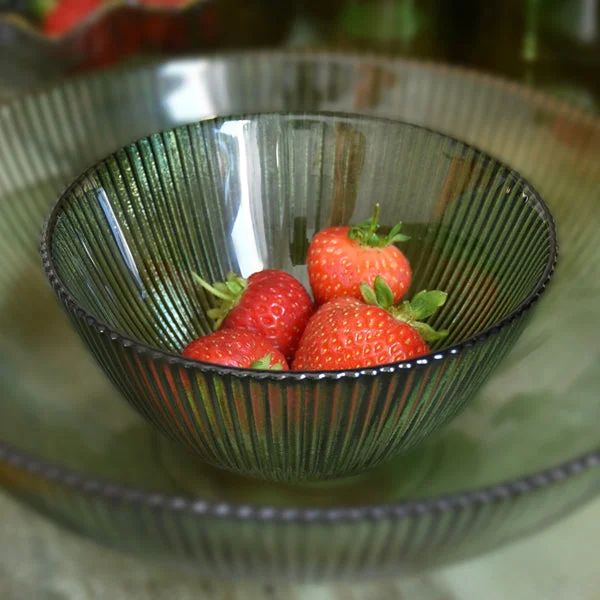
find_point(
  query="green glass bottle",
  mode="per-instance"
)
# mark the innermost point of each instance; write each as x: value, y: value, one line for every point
x: 550, y: 44
x: 398, y: 27
x: 564, y: 58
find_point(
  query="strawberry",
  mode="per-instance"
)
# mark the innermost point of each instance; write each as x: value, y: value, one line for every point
x: 348, y: 333
x: 271, y: 303
x: 339, y: 259
x: 66, y: 14
x: 236, y: 348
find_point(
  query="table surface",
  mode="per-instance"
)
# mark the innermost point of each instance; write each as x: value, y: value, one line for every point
x: 40, y: 561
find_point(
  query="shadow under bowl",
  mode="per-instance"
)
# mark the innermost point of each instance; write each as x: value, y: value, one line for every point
x: 248, y: 192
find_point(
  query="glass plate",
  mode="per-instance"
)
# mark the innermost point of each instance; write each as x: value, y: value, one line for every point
x: 525, y: 453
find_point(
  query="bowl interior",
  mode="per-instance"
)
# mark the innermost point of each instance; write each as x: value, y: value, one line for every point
x: 246, y: 193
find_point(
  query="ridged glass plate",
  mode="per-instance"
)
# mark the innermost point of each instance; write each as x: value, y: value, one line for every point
x: 525, y: 453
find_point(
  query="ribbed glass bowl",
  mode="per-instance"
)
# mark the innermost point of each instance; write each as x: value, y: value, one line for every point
x: 524, y: 454
x: 243, y: 194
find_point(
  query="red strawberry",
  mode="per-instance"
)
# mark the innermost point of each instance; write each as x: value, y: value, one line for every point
x: 341, y: 258
x: 347, y: 333
x: 67, y: 14
x: 236, y: 348
x: 271, y: 303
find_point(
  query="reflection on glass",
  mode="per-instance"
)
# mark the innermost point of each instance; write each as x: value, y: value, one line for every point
x: 243, y: 234
x: 187, y: 98
x: 119, y: 238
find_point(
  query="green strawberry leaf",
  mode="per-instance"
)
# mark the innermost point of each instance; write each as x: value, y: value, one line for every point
x: 383, y: 293
x: 234, y: 286
x: 264, y: 364
x: 229, y: 294
x: 428, y: 333
x: 422, y: 306
x: 218, y: 290
x: 366, y: 234
x: 395, y: 236
x: 40, y: 8
x: 214, y: 313
x: 425, y: 304
x: 368, y: 294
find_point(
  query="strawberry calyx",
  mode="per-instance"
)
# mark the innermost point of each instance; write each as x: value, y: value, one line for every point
x: 423, y: 305
x: 365, y: 233
x: 264, y: 364
x: 40, y: 8
x: 228, y: 293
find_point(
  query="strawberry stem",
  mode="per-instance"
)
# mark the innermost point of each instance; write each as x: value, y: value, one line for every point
x: 209, y: 288
x: 373, y: 222
x: 228, y: 292
x: 365, y: 233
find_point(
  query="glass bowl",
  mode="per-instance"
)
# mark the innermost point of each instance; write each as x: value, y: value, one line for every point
x: 524, y: 454
x: 243, y: 194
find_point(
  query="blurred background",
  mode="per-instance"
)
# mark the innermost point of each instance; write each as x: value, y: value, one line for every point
x: 552, y: 44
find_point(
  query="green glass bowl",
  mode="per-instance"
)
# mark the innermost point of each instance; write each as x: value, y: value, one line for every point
x: 245, y: 193
x: 524, y: 454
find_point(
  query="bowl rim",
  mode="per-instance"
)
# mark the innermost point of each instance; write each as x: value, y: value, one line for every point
x: 72, y: 304
x: 129, y: 495
x: 225, y: 510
